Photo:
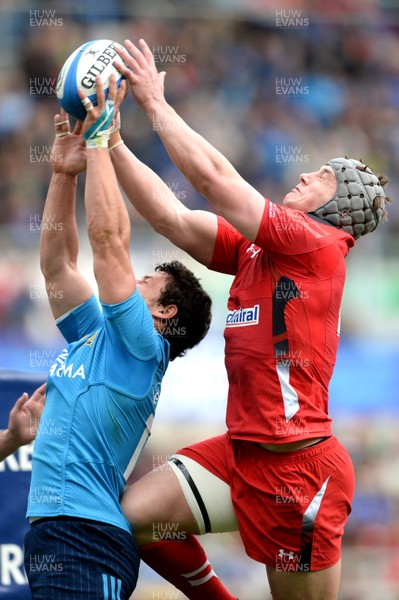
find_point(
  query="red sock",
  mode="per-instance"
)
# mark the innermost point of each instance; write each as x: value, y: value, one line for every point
x: 184, y: 564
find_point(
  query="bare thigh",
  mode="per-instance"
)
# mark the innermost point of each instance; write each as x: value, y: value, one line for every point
x: 153, y: 502
x: 315, y: 585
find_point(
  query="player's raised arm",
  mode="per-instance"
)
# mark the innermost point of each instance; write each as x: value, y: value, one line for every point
x: 59, y: 245
x: 107, y: 219
x: 192, y: 231
x: 206, y: 168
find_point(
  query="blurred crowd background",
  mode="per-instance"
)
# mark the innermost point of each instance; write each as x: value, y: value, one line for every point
x: 279, y: 88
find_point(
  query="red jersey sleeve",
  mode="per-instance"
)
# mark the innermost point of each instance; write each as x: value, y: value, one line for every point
x: 225, y: 254
x: 291, y: 238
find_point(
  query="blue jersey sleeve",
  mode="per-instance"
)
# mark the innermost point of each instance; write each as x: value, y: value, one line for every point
x: 130, y: 323
x: 82, y: 320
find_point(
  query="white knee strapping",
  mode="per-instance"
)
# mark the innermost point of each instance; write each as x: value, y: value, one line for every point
x: 216, y: 513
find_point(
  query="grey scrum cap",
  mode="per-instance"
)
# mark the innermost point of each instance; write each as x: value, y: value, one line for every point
x: 351, y: 209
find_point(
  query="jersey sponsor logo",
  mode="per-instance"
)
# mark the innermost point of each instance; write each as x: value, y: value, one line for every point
x: 243, y: 316
x: 254, y: 250
x: 91, y: 339
x: 61, y: 369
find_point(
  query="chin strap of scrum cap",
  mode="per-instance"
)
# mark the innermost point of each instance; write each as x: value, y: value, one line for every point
x: 351, y: 209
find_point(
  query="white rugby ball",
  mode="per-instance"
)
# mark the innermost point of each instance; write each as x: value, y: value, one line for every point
x: 80, y: 70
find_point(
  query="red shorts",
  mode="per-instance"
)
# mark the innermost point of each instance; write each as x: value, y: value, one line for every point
x: 291, y: 507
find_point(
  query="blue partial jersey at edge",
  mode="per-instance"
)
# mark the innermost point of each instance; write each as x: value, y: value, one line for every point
x: 71, y: 102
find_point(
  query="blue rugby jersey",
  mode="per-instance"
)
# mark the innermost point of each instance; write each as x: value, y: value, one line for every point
x: 102, y: 393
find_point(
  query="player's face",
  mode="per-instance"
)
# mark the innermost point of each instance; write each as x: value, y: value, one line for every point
x: 150, y: 288
x: 314, y: 190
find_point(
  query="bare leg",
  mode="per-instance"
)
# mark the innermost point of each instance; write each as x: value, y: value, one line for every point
x: 163, y: 523
x: 155, y: 499
x: 316, y: 585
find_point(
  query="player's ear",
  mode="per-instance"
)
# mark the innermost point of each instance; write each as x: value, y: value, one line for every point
x: 165, y: 312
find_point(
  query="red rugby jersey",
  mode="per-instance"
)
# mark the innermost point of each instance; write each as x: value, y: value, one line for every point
x: 282, y: 327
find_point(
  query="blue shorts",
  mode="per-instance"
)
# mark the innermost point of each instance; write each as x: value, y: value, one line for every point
x: 73, y: 558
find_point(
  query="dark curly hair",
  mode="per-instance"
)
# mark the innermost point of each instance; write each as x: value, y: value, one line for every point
x: 191, y: 324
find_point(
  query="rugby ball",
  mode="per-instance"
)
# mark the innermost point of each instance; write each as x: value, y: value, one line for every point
x: 80, y: 70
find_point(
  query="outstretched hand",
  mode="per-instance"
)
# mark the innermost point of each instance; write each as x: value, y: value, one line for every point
x: 102, y: 117
x: 25, y: 416
x: 141, y: 72
x: 68, y: 153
